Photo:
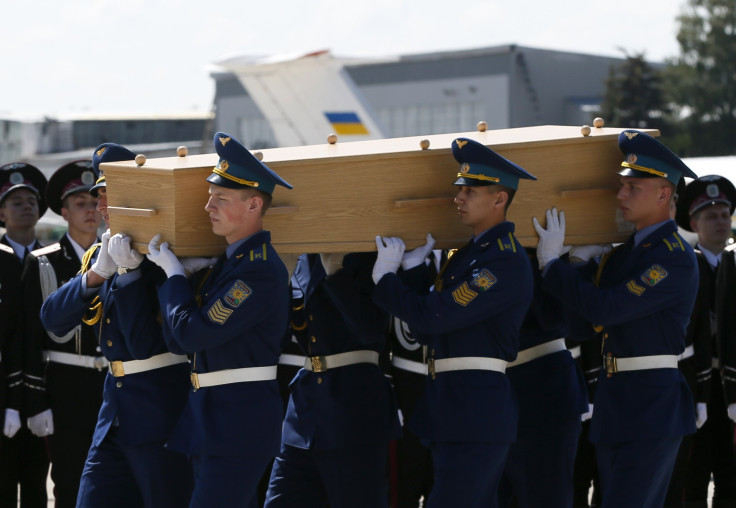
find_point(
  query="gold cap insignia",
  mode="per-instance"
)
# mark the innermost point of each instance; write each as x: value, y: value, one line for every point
x: 225, y: 141
x: 101, y: 151
x: 460, y: 143
x: 223, y: 164
x: 631, y: 158
x: 631, y: 135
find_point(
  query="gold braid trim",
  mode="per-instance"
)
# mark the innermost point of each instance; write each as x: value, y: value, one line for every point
x: 96, y: 307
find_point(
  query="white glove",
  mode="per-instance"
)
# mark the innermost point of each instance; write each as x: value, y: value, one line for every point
x: 390, y: 252
x: 164, y: 258
x: 192, y: 265
x: 701, y: 414
x: 104, y: 266
x: 551, y: 240
x: 42, y: 424
x: 416, y: 257
x: 732, y: 412
x: 587, y: 416
x: 587, y: 252
x: 122, y: 253
x: 332, y: 261
x: 12, y: 422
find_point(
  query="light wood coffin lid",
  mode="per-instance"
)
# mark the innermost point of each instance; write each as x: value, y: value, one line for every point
x: 346, y: 193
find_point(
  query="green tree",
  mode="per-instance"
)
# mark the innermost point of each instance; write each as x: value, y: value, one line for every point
x: 634, y: 96
x: 701, y: 81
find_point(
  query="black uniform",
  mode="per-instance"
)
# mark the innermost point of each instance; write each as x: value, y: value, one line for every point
x: 24, y: 458
x: 52, y: 381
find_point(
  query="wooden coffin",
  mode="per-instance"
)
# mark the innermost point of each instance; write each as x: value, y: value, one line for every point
x: 346, y: 193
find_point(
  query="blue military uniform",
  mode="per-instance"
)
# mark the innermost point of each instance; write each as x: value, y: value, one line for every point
x: 339, y: 420
x: 127, y: 464
x: 470, y: 321
x: 642, y: 304
x: 552, y: 396
x: 231, y: 321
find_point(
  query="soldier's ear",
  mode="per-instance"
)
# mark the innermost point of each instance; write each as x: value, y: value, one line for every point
x: 502, y: 198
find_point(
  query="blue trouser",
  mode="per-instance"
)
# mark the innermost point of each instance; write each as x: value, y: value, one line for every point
x: 351, y: 476
x: 121, y: 474
x: 539, y: 469
x: 636, y: 474
x: 467, y: 474
x: 222, y: 482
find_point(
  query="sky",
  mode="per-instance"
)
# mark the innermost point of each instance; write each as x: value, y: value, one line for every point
x: 68, y: 57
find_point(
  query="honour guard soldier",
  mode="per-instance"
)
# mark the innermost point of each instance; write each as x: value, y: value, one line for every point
x: 24, y: 458
x: 146, y: 387
x: 231, y: 320
x: 63, y: 375
x: 470, y: 322
x: 552, y: 396
x: 641, y: 299
x: 342, y: 413
x: 705, y: 207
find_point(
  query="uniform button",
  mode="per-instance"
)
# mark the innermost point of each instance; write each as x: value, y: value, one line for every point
x: 314, y: 339
x: 319, y: 380
x: 109, y: 343
x: 98, y: 349
x: 605, y: 335
x: 119, y: 384
x: 107, y: 321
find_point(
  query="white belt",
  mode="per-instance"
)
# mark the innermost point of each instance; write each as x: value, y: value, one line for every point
x: 90, y: 362
x: 292, y: 360
x: 544, y: 349
x: 614, y: 365
x: 225, y: 377
x: 715, y: 363
x: 465, y: 363
x: 575, y: 351
x: 689, y: 351
x: 409, y: 365
x: 323, y: 363
x: 120, y: 369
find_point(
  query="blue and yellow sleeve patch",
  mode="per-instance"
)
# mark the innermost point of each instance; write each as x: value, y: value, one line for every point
x: 635, y: 288
x: 463, y: 295
x: 653, y: 275
x: 483, y: 280
x: 218, y: 313
x: 237, y: 294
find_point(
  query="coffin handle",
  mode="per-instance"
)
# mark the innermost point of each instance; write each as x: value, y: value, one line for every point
x: 412, y: 203
x: 131, y: 212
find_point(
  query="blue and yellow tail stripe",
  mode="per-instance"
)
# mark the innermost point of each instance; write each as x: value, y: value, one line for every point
x: 346, y: 123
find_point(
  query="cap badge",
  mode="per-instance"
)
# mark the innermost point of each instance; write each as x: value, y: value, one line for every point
x: 460, y: 143
x: 630, y: 135
x: 632, y: 158
x: 224, y: 141
x: 16, y: 178
x: 88, y: 177
x: 223, y: 165
x: 712, y: 190
x: 101, y: 151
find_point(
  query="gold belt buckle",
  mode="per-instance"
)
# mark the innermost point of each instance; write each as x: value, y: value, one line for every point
x: 194, y: 378
x: 116, y: 368
x: 318, y: 363
x: 430, y: 367
x: 610, y: 362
